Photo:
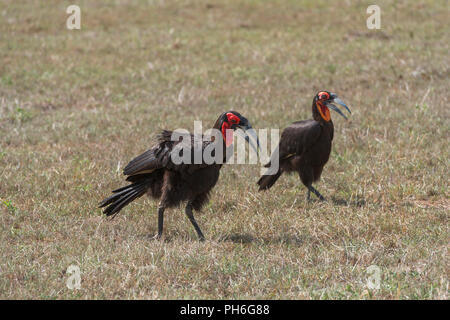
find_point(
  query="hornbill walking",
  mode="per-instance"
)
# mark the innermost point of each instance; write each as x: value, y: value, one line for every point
x: 156, y: 173
x: 305, y: 146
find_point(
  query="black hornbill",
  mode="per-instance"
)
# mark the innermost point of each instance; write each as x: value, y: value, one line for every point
x: 154, y: 172
x: 305, y: 146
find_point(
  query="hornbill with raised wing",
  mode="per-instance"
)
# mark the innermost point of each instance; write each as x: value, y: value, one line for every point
x: 174, y: 180
x: 305, y: 146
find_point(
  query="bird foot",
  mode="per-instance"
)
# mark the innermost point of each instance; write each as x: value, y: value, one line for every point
x: 317, y: 193
x: 156, y: 237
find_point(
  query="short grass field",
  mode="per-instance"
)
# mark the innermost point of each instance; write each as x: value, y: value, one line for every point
x: 77, y: 105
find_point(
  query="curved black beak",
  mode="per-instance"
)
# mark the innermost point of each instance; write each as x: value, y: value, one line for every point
x: 334, y: 99
x: 246, y: 131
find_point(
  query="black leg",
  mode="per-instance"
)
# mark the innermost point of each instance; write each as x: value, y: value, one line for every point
x: 317, y: 193
x: 190, y: 215
x: 160, y: 221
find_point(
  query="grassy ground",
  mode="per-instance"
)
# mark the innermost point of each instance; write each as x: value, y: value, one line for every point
x: 76, y: 106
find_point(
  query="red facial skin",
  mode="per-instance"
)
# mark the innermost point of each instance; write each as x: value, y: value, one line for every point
x: 323, y: 110
x: 228, y: 134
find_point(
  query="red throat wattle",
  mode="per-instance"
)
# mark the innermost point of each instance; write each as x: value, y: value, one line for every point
x: 227, y: 134
x: 324, y: 111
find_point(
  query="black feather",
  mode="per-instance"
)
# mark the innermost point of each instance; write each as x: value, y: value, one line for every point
x: 124, y: 196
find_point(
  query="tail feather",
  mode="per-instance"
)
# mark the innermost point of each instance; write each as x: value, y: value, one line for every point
x: 267, y: 181
x: 116, y: 195
x: 122, y: 202
x: 122, y: 188
x: 124, y: 196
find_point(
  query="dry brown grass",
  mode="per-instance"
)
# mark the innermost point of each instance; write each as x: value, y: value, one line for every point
x: 76, y: 105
